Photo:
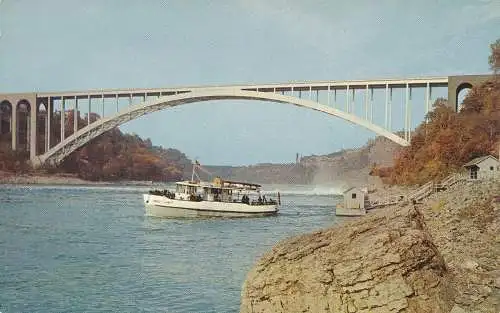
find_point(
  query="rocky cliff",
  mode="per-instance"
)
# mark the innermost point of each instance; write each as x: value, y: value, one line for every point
x: 441, y: 256
x: 352, y: 167
x: 344, y: 167
x: 269, y: 173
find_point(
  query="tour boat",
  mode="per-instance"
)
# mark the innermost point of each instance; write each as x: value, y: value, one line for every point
x: 218, y: 198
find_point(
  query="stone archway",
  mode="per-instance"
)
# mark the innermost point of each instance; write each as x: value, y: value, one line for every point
x: 42, y: 127
x: 460, y: 82
x: 23, y: 110
x: 6, y: 124
x: 460, y: 88
x: 56, y: 154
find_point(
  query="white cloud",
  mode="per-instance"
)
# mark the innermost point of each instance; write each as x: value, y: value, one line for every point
x: 482, y: 12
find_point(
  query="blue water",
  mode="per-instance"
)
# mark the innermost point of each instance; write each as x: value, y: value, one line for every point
x: 92, y: 249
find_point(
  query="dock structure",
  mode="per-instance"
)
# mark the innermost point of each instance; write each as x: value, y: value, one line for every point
x: 419, y: 194
x: 357, y: 202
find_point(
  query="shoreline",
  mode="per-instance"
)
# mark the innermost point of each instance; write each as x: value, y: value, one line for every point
x: 63, y: 179
x: 460, y: 225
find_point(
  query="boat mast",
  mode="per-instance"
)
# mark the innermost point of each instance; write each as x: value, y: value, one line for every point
x: 192, y: 174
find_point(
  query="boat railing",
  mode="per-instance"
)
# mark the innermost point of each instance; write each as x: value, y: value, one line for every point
x: 199, y: 198
x: 267, y: 202
x: 164, y: 193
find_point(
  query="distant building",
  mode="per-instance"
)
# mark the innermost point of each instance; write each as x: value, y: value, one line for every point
x: 354, y: 202
x: 483, y: 167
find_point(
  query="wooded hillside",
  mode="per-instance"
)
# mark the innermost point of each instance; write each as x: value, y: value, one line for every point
x: 449, y: 139
x: 112, y: 156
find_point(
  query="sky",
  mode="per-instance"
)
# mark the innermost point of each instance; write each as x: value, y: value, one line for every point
x: 58, y: 45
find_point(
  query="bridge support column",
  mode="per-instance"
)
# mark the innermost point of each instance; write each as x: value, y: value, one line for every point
x: 347, y: 99
x: 406, y: 112
x: 389, y: 115
x: 90, y: 109
x: 14, y: 126
x: 427, y: 100
x: 33, y: 129
x: 386, y: 120
x: 371, y: 106
x: 50, y: 107
x: 75, y: 116
x: 47, y: 129
x: 63, y: 122
x: 409, y: 115
x: 367, y: 103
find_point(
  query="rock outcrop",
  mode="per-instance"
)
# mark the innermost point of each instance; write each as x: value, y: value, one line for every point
x: 384, y: 262
x: 464, y: 223
x: 439, y: 256
x: 349, y: 167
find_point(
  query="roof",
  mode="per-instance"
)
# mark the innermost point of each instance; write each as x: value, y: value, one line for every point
x: 208, y: 185
x: 187, y: 183
x: 240, y: 183
x: 479, y: 160
x: 351, y: 189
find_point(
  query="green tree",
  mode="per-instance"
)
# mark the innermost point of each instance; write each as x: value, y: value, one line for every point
x: 494, y: 58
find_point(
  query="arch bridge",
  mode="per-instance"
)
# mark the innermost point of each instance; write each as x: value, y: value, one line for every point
x: 31, y: 118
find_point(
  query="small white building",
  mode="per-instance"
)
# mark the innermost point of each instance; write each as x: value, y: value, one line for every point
x: 482, y: 168
x: 354, y: 202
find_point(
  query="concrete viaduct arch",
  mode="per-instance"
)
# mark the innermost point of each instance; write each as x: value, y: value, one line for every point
x: 42, y: 105
x: 57, y: 153
x: 458, y: 83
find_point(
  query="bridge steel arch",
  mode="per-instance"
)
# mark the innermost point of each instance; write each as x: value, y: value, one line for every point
x: 57, y: 153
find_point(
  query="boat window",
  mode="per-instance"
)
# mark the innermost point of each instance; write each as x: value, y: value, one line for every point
x: 215, y: 191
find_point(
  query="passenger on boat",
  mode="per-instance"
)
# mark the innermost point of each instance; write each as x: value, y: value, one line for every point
x: 245, y: 199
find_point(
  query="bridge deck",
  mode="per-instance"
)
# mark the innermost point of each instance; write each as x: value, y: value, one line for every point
x: 278, y: 87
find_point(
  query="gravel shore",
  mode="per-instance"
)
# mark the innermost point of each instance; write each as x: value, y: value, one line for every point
x: 29, y: 179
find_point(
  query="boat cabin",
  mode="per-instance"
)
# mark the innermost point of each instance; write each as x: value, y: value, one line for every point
x: 185, y: 190
x: 207, y: 192
x: 217, y: 194
x: 221, y: 191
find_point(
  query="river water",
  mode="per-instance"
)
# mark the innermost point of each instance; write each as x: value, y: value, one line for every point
x: 92, y: 249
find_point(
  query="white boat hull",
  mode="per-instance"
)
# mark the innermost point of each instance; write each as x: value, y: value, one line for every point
x: 161, y: 206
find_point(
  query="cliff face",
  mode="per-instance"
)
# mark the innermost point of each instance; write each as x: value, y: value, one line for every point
x: 266, y: 173
x: 348, y: 167
x: 385, y: 262
x: 439, y: 256
x: 352, y: 166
